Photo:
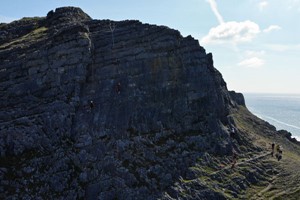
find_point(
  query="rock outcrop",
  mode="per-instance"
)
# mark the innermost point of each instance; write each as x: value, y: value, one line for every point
x: 238, y: 98
x: 159, y: 105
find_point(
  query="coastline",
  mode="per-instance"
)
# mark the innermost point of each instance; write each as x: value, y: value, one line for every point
x: 280, y: 110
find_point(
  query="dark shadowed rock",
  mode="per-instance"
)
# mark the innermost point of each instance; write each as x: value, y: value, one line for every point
x: 66, y: 15
x: 288, y: 135
x: 238, y: 98
x: 159, y: 105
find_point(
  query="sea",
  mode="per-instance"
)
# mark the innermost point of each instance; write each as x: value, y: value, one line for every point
x: 280, y: 110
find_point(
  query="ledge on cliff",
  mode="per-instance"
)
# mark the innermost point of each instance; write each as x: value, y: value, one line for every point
x: 66, y: 15
x: 19, y: 28
x: 238, y: 98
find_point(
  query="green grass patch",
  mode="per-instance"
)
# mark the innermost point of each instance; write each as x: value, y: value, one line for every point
x: 291, y: 155
x: 35, y: 35
x: 291, y: 196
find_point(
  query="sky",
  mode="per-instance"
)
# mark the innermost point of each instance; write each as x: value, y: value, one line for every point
x: 255, y: 43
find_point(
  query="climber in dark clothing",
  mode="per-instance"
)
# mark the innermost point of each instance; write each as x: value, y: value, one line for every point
x: 232, y: 132
x: 92, y: 105
x: 278, y: 152
x: 118, y: 88
x: 273, y: 148
x: 279, y: 157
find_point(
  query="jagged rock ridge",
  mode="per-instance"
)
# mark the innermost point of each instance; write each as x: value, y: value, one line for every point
x: 172, y: 108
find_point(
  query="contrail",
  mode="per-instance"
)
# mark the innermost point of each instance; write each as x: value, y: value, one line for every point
x: 214, y: 8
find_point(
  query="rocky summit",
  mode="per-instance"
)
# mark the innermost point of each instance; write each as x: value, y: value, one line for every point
x: 100, y: 109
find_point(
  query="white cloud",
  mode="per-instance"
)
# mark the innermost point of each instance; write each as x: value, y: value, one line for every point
x: 283, y: 47
x: 252, y: 59
x: 214, y: 8
x: 293, y: 4
x: 262, y: 5
x: 271, y: 28
x: 253, y: 62
x: 255, y: 53
x: 233, y: 31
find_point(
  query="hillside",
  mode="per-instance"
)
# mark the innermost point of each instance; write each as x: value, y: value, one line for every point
x: 100, y: 109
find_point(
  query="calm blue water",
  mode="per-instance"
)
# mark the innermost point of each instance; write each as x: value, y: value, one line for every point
x: 280, y: 110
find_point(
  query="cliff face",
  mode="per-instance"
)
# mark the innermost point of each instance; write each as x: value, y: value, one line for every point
x: 159, y: 105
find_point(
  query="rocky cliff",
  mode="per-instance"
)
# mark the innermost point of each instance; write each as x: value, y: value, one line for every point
x: 159, y: 108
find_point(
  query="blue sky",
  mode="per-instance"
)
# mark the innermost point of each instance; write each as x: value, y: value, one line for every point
x: 255, y: 43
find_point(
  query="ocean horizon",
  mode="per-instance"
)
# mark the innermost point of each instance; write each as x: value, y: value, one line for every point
x: 280, y: 110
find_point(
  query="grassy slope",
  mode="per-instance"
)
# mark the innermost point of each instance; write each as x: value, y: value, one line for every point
x: 257, y: 175
x: 283, y: 181
x: 35, y: 35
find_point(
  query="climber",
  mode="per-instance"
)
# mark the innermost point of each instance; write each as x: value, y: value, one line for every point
x: 273, y: 148
x: 279, y: 157
x: 278, y: 152
x: 232, y: 132
x: 118, y: 88
x: 91, y: 105
x: 277, y: 148
x: 234, y: 158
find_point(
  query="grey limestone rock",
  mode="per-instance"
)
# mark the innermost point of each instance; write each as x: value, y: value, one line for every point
x: 158, y: 104
x: 237, y: 97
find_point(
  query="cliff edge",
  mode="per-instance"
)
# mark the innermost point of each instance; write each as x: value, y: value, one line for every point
x: 100, y: 109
